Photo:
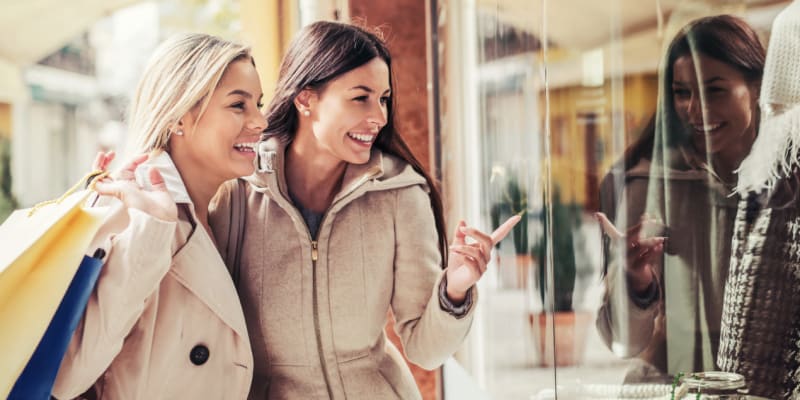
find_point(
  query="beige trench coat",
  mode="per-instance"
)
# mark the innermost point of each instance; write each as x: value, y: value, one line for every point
x: 164, y: 321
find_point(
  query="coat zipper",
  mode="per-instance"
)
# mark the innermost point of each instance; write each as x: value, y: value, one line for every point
x: 315, y: 299
x: 315, y: 296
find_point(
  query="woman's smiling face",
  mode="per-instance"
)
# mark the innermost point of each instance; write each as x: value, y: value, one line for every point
x: 714, y: 102
x: 349, y: 112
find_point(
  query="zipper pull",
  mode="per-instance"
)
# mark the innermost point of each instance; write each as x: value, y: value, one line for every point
x: 265, y: 158
x: 314, y: 253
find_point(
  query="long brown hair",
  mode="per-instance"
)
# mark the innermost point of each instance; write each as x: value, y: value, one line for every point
x: 722, y: 37
x: 320, y: 53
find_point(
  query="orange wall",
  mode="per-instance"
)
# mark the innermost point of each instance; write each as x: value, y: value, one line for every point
x: 568, y: 130
x: 402, y: 23
x: 5, y: 119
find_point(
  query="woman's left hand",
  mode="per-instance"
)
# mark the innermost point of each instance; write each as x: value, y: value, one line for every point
x: 467, y: 262
x: 156, y: 201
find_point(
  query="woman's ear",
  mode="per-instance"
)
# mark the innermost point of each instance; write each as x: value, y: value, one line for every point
x: 179, y: 128
x: 184, y: 125
x: 176, y: 128
x: 304, y: 102
x: 755, y: 94
x: 755, y: 90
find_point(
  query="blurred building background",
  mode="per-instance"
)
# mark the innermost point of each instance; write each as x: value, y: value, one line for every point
x: 493, y: 95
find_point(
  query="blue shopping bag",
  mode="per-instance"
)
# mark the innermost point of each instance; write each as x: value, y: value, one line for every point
x: 41, y: 249
x: 36, y: 380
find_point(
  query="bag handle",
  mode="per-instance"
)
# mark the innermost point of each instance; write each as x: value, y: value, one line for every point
x: 91, y: 178
x: 236, y: 230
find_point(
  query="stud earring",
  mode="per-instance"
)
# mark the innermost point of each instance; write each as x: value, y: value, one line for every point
x: 307, y: 113
x: 179, y: 132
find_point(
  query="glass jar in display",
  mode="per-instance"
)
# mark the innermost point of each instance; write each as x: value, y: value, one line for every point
x: 714, y: 385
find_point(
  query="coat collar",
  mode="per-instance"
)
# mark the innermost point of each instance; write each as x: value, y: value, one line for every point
x: 680, y: 168
x: 381, y: 172
x: 172, y: 178
x: 211, y: 284
x: 198, y: 251
x: 680, y: 164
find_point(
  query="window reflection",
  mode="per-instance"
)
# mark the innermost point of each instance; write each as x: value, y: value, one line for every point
x: 642, y: 111
x: 664, y: 285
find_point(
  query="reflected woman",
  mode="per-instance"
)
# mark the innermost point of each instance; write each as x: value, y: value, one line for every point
x: 666, y: 271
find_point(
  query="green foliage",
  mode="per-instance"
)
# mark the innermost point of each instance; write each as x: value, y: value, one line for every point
x: 513, y: 201
x: 8, y: 203
x: 677, y: 380
x: 566, y: 217
x: 675, y: 383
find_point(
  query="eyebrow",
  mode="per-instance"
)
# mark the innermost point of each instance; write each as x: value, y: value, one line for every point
x: 367, y: 89
x: 240, y: 92
x: 706, y: 82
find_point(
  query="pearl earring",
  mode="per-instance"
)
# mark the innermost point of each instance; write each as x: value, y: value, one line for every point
x: 307, y: 113
x: 179, y: 132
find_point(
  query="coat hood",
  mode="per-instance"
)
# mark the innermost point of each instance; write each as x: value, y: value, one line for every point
x: 382, y: 171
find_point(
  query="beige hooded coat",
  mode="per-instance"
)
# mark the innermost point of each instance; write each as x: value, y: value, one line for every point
x: 316, y: 308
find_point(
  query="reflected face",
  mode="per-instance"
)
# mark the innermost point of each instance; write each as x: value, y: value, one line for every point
x: 714, y: 103
x: 223, y: 136
x: 350, y: 111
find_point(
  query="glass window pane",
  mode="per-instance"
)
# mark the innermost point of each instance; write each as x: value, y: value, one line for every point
x: 640, y: 110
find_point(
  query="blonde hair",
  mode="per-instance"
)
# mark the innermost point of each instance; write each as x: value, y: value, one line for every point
x: 182, y: 74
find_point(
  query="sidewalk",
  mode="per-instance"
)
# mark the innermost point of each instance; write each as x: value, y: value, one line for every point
x: 512, y: 367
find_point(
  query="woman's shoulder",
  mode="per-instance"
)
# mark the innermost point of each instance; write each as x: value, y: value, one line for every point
x: 395, y: 172
x: 676, y: 166
x: 642, y: 168
x: 619, y: 175
x: 390, y: 164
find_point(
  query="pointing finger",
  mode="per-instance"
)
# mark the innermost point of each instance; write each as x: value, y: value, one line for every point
x: 504, y: 229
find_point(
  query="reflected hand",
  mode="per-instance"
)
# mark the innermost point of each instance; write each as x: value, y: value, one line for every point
x: 643, y: 253
x: 467, y: 262
x: 157, y: 202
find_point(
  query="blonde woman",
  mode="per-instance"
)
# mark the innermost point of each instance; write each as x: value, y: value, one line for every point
x: 164, y: 320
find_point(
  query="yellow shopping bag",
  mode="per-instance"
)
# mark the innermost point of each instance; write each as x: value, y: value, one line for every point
x: 40, y: 251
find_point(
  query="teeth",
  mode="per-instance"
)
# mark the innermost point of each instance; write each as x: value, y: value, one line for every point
x: 362, y: 137
x: 709, y: 127
x: 245, y: 145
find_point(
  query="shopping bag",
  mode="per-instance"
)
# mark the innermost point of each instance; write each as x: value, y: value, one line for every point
x: 36, y: 380
x: 40, y: 251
